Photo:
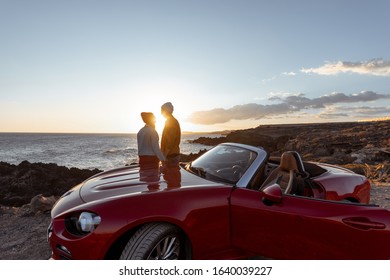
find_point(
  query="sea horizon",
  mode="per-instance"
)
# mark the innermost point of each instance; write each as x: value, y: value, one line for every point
x: 104, y: 133
x: 223, y: 131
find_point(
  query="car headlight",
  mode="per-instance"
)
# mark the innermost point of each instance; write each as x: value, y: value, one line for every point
x: 82, y: 223
x: 87, y: 221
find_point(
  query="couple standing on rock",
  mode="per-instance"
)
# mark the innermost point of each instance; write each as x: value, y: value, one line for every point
x: 149, y: 152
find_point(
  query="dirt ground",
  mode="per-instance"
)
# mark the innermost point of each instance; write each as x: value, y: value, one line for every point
x: 23, y: 234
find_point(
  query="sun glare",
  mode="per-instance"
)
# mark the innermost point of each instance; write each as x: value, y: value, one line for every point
x: 160, y: 122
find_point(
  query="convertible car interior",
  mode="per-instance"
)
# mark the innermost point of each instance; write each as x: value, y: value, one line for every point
x: 229, y: 164
x: 287, y: 172
x: 291, y: 173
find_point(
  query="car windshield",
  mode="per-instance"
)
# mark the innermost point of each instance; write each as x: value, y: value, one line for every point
x: 223, y: 163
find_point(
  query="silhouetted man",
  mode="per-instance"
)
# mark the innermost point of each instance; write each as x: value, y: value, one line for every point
x: 170, y: 140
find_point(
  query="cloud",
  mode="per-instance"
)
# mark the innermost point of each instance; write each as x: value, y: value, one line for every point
x: 238, y: 112
x: 359, y: 112
x: 375, y: 67
x: 278, y: 96
x: 267, y: 80
x: 286, y: 105
x: 302, y: 102
x: 289, y: 73
x: 365, y: 111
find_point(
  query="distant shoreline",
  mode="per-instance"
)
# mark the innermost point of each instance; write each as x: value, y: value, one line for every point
x: 103, y: 133
x: 222, y: 132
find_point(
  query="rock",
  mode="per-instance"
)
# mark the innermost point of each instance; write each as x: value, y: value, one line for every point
x: 191, y: 156
x: 20, y: 183
x: 209, y: 141
x: 39, y: 203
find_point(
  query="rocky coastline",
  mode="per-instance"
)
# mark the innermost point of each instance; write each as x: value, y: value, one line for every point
x: 28, y: 190
x: 363, y: 147
x: 20, y: 183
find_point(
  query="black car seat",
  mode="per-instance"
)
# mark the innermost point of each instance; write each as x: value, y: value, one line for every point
x: 286, y: 173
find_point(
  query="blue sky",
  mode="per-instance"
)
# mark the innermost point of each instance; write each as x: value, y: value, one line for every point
x: 94, y: 66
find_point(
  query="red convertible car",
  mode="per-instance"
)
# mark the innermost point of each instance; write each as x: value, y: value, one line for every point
x: 233, y: 202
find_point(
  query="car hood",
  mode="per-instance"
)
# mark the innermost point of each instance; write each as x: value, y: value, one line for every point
x: 133, y: 180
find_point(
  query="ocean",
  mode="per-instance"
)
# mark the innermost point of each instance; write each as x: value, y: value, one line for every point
x: 86, y: 151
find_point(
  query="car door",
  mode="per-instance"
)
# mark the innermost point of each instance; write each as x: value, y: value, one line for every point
x: 267, y: 223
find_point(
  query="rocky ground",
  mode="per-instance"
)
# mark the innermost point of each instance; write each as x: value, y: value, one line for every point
x: 28, y: 190
x: 23, y: 234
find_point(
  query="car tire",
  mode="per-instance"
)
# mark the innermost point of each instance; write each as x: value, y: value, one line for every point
x: 156, y: 241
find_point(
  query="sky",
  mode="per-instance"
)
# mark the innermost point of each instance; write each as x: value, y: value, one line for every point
x: 93, y: 66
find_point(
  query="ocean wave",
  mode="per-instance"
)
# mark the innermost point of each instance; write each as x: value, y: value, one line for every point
x: 120, y: 151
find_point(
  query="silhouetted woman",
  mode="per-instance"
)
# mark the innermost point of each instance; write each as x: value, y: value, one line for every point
x: 149, y: 152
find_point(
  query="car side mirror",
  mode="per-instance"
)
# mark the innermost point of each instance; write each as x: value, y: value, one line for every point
x: 272, y: 194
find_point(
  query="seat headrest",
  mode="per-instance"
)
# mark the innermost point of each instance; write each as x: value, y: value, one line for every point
x: 291, y: 161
